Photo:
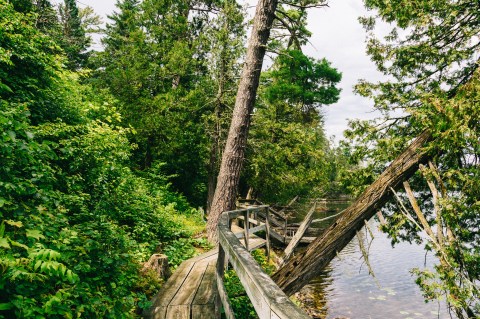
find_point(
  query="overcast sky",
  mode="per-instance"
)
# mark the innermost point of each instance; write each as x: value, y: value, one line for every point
x: 337, y: 36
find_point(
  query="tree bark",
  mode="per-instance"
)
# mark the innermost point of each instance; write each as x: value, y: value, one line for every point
x: 214, y: 155
x: 232, y: 159
x: 300, y: 270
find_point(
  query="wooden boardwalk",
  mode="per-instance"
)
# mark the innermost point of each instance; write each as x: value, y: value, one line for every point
x: 197, y: 290
x: 192, y: 291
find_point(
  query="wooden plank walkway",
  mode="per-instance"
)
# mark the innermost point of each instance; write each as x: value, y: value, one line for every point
x: 192, y: 291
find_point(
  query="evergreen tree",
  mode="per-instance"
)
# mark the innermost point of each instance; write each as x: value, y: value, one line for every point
x: 23, y: 6
x: 47, y: 20
x: 155, y: 63
x: 74, y: 41
x: 232, y: 159
x: 287, y: 147
x: 431, y: 60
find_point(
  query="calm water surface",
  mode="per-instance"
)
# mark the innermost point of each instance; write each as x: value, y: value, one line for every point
x: 347, y: 290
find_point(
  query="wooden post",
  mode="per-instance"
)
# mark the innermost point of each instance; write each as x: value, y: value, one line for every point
x: 221, y: 262
x: 222, y: 300
x: 245, y: 228
x: 220, y: 275
x: 230, y: 222
x: 267, y: 230
x: 289, y: 204
x: 285, y: 231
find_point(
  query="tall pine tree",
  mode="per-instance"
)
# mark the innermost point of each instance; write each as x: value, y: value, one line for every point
x: 74, y: 41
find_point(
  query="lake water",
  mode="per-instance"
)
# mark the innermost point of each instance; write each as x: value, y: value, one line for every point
x: 347, y: 290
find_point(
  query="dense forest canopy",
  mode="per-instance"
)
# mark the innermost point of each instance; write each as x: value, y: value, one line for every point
x: 104, y: 154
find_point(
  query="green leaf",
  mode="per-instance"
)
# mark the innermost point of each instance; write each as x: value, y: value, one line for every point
x: 17, y: 244
x: 4, y: 243
x: 6, y: 306
x: 37, y: 264
x: 5, y: 88
x: 34, y: 233
x: 12, y: 135
x: 14, y: 223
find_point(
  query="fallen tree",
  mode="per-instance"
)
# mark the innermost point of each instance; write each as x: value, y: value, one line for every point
x: 298, y: 271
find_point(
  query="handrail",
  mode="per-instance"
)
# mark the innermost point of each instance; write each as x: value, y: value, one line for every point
x: 259, y: 203
x: 267, y: 298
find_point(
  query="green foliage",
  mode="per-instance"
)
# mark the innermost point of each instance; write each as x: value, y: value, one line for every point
x: 431, y: 58
x: 287, y: 153
x: 75, y: 221
x: 154, y: 64
x: 303, y: 82
x: 74, y: 40
x: 183, y: 249
x: 29, y: 68
x: 289, y: 29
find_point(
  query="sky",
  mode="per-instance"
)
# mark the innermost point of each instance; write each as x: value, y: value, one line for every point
x: 338, y: 37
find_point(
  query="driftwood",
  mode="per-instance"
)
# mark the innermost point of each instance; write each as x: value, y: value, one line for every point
x: 381, y: 218
x: 299, y: 234
x: 297, y: 272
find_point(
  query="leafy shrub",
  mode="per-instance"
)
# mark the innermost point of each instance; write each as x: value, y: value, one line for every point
x: 75, y: 221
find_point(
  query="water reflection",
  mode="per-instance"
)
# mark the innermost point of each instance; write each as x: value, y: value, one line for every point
x: 347, y: 290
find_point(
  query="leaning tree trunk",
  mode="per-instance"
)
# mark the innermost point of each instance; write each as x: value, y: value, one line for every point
x: 232, y: 159
x: 297, y: 272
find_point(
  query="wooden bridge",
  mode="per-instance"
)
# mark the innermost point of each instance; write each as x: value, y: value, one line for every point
x: 196, y: 290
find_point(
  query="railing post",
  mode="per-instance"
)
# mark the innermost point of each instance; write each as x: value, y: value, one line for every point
x: 222, y: 299
x: 230, y: 222
x: 267, y: 230
x: 246, y: 227
x: 221, y: 262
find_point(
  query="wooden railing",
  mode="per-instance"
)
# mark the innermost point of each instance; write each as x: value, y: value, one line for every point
x: 267, y: 299
x: 277, y: 219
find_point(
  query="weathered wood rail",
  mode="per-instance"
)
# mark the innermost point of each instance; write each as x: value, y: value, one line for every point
x: 268, y: 300
x: 281, y: 230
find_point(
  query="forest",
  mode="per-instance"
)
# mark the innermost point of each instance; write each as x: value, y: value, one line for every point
x: 111, y: 154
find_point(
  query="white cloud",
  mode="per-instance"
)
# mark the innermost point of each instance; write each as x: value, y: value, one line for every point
x: 339, y: 37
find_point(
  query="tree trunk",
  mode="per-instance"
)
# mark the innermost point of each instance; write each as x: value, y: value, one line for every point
x: 232, y: 159
x: 300, y: 270
x: 215, y: 149
x: 214, y: 155
x: 158, y: 263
